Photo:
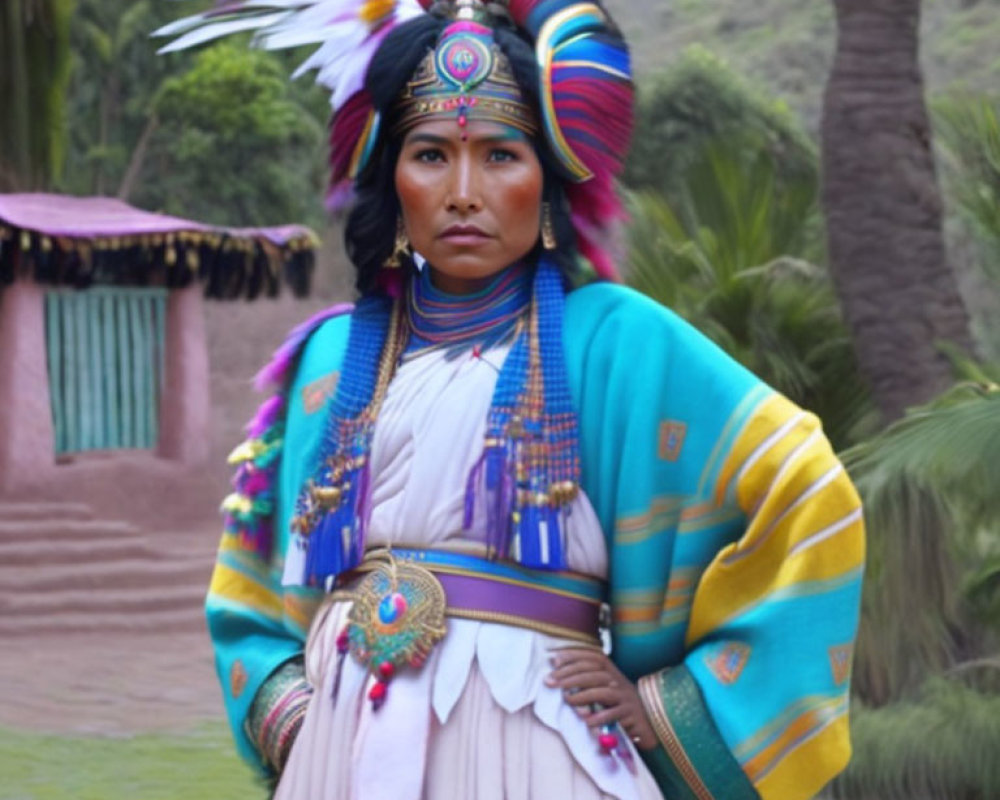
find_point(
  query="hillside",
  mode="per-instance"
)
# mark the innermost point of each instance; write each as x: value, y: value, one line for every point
x: 788, y: 44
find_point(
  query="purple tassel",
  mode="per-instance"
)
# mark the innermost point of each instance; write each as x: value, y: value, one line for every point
x: 472, y: 485
x: 499, y: 501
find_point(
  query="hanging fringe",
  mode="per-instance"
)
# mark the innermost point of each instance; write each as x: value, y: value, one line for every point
x: 248, y: 512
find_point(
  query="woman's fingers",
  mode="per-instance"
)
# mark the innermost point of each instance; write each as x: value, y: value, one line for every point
x: 568, y: 663
x: 580, y: 679
x: 604, y: 716
x: 604, y: 696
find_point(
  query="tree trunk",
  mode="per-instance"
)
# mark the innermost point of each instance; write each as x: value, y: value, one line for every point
x: 15, y: 135
x: 883, y: 206
x: 138, y: 159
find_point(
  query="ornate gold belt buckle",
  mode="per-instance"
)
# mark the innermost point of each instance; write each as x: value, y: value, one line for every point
x: 397, y: 617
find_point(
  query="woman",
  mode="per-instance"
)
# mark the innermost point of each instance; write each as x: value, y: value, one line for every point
x: 465, y: 465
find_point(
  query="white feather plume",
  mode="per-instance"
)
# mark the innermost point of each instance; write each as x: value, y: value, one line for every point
x: 343, y: 30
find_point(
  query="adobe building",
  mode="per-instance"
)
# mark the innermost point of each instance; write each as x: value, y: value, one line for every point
x: 102, y: 335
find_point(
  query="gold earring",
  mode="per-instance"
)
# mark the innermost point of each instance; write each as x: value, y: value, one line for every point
x: 401, y: 247
x: 548, y: 229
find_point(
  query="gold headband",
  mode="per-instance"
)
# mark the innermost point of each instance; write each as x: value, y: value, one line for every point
x: 465, y: 77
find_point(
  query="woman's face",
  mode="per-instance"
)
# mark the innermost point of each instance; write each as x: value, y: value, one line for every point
x: 471, y: 205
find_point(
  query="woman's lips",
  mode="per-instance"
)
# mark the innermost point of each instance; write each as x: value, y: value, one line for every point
x: 465, y: 235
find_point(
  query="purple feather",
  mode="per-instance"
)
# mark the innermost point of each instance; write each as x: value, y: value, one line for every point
x: 276, y: 371
x: 266, y: 415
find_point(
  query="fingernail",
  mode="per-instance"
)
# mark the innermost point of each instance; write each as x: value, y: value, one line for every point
x: 549, y: 681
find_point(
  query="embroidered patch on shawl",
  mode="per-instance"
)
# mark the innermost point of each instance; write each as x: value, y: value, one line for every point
x: 672, y: 435
x: 237, y: 679
x: 728, y: 663
x: 840, y: 662
x: 315, y: 394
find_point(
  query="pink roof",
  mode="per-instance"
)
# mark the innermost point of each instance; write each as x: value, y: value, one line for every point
x: 91, y: 217
x: 85, y: 217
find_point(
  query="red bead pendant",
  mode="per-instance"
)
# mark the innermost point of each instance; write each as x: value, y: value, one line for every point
x: 377, y: 694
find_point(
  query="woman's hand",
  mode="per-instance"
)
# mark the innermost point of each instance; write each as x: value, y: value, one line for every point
x: 588, y: 678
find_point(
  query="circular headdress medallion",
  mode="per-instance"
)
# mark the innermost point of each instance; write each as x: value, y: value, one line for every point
x: 464, y: 62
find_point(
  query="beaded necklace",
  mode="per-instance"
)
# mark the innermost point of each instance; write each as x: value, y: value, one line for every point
x: 529, y: 470
x: 483, y: 318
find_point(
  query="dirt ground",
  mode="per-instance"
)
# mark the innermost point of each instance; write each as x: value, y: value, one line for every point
x: 116, y: 683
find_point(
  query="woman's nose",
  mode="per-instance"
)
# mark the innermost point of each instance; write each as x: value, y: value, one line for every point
x: 465, y: 193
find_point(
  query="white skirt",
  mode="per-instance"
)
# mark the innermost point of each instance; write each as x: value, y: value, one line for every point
x: 475, y: 722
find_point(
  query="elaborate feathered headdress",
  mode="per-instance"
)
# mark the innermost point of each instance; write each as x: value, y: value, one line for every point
x: 585, y: 83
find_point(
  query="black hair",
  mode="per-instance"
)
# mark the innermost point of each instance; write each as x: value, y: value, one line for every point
x: 370, y: 231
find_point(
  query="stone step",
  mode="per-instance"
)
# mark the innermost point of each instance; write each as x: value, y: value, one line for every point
x: 131, y: 573
x: 56, y: 531
x: 161, y: 623
x: 81, y: 553
x: 12, y: 511
x: 86, y: 603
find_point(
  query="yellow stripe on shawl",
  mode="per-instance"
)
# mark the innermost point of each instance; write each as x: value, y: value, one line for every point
x: 798, y: 500
x: 806, y: 765
x: 301, y: 610
x: 234, y: 586
x: 765, y: 422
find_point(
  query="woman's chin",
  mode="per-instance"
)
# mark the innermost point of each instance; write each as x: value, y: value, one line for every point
x: 463, y: 275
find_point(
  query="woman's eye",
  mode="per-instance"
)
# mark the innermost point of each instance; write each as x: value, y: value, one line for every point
x: 500, y: 155
x: 430, y: 156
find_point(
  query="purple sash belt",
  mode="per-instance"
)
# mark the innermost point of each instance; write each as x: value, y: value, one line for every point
x: 560, y: 604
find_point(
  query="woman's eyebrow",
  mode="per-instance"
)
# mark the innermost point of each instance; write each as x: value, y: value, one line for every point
x: 511, y: 135
x: 427, y: 138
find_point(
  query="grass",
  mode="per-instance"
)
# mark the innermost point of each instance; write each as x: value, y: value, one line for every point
x: 199, y: 765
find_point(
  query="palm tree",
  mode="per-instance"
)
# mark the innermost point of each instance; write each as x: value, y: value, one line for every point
x: 35, y: 59
x: 883, y: 206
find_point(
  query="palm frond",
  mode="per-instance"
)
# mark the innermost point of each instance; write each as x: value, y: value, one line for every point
x: 733, y: 251
x: 932, y: 503
x: 941, y: 745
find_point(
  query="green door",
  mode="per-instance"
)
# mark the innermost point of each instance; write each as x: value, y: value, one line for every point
x: 106, y: 352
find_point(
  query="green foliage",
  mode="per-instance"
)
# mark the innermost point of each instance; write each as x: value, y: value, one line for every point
x: 787, y: 45
x: 115, y: 75
x: 968, y: 129
x: 235, y: 145
x: 222, y: 135
x: 699, y: 100
x: 34, y: 73
x: 940, y: 745
x: 932, y: 501
x: 732, y: 255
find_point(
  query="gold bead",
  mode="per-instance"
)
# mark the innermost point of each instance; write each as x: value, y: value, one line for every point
x: 327, y: 496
